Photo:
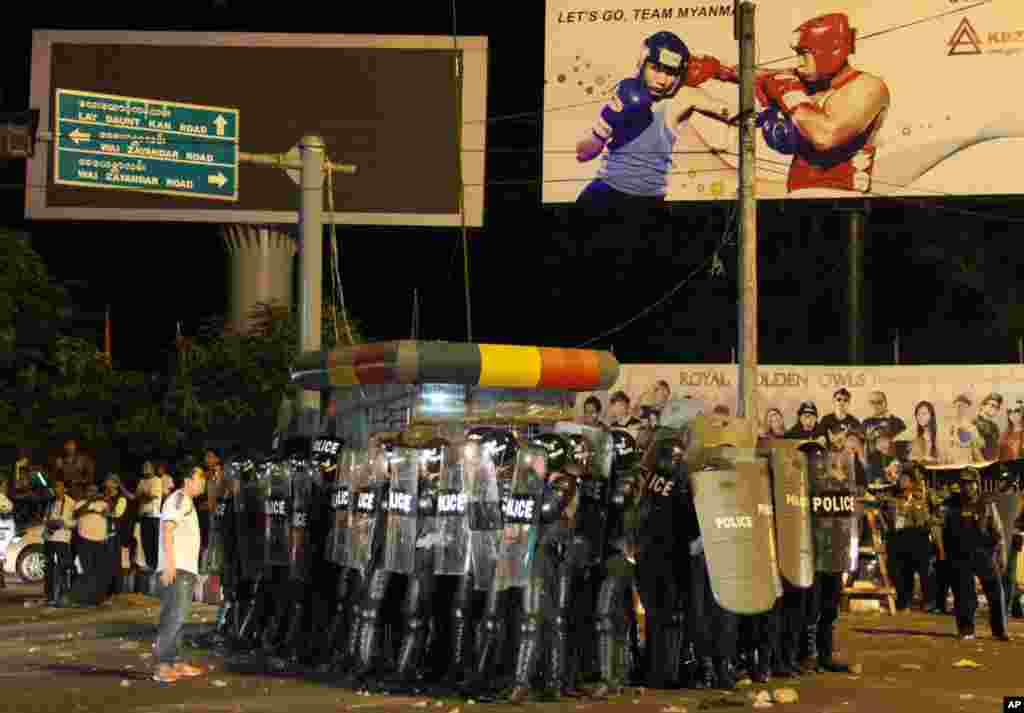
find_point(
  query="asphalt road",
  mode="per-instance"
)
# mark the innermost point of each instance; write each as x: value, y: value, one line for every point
x: 79, y: 661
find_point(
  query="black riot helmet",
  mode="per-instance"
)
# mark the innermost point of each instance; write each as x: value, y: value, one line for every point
x: 559, y: 450
x: 667, y: 455
x: 627, y: 454
x: 501, y: 447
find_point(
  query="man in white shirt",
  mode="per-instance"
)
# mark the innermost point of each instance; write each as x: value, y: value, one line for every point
x: 178, y: 567
x: 60, y: 523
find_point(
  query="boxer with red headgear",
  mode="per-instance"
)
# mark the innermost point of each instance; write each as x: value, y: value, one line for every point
x: 824, y: 113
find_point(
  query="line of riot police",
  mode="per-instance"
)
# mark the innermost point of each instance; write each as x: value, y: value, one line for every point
x: 503, y: 568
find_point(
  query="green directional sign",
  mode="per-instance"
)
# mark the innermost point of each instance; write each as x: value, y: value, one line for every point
x: 148, y: 145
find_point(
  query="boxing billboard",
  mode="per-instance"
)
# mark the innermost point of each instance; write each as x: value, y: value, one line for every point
x: 936, y: 415
x: 855, y: 99
x: 386, y: 103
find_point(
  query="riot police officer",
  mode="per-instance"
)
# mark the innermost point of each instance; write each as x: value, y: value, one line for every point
x: 908, y: 541
x: 973, y: 539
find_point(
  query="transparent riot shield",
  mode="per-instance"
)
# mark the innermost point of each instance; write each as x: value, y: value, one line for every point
x: 251, y: 518
x: 220, y: 538
x: 278, y: 514
x: 733, y: 498
x: 366, y: 475
x: 791, y: 490
x: 483, y: 513
x: 594, y: 485
x: 521, y: 519
x: 340, y: 499
x: 403, y: 504
x: 452, y: 551
x: 300, y: 553
x: 834, y: 518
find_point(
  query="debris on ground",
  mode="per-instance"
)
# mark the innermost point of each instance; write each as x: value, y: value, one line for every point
x: 911, y: 666
x: 785, y: 695
x: 218, y: 683
x: 966, y: 663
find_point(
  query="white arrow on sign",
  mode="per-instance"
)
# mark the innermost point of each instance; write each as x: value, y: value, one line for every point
x: 78, y: 136
x: 218, y: 179
x: 220, y: 122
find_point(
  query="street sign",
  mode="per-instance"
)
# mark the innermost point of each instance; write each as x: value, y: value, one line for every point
x: 148, y: 145
x: 388, y: 104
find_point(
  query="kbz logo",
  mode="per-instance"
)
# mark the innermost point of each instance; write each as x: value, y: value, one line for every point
x: 340, y: 500
x: 519, y: 510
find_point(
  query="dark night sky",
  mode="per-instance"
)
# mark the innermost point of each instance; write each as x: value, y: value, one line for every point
x: 536, y: 277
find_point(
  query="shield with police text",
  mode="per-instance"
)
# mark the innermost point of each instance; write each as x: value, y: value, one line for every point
x: 221, y: 537
x: 521, y: 511
x: 483, y: 513
x: 835, y: 523
x: 403, y: 503
x: 733, y: 498
x: 791, y: 489
x: 595, y: 463
x: 250, y: 519
x: 278, y: 514
x: 339, y: 502
x: 301, y: 550
x: 452, y: 552
x: 1008, y: 506
x: 367, y: 480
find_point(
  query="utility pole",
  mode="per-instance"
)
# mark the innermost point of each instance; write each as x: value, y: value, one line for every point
x: 747, y: 393
x: 855, y: 316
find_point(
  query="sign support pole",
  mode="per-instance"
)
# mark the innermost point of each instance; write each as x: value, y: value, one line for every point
x: 747, y: 392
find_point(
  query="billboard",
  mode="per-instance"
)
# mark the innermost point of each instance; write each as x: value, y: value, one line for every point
x: 892, y: 99
x: 385, y: 103
x: 937, y: 415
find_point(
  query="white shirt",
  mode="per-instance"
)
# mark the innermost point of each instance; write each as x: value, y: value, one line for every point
x: 65, y: 512
x: 180, y: 509
x: 150, y: 486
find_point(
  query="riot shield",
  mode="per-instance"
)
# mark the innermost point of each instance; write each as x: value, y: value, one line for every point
x: 521, y: 519
x: 278, y: 514
x: 791, y: 490
x: 483, y: 513
x: 364, y: 508
x: 403, y: 503
x: 219, y: 540
x: 451, y: 555
x: 835, y: 524
x: 300, y: 546
x: 594, y: 487
x: 733, y: 498
x: 250, y: 519
x: 1008, y: 506
x: 340, y: 497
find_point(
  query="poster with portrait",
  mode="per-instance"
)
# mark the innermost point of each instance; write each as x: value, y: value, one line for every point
x: 855, y: 99
x: 935, y: 415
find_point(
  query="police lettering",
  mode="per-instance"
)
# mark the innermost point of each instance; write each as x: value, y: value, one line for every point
x: 519, y: 511
x: 797, y: 501
x: 451, y: 504
x: 661, y: 486
x: 400, y: 502
x: 326, y: 447
x: 731, y: 523
x: 340, y: 500
x: 366, y: 501
x: 833, y: 505
x: 277, y: 507
x: 300, y: 520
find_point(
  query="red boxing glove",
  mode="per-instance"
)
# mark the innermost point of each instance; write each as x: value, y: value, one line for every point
x: 701, y: 68
x: 783, y: 89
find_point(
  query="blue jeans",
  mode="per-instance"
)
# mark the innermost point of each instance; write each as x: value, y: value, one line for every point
x: 175, y: 604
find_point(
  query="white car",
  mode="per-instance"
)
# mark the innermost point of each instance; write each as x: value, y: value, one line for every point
x: 25, y: 556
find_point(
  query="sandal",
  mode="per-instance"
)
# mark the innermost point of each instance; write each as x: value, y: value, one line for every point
x: 165, y: 675
x: 185, y: 670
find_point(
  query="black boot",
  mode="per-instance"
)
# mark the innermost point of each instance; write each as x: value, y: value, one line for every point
x: 526, y: 659
x: 706, y: 676
x: 410, y: 654
x: 784, y: 662
x: 726, y: 679
x: 826, y: 661
x: 370, y: 640
x: 809, y: 664
x: 610, y: 661
x: 555, y: 679
x: 296, y: 638
x: 456, y: 673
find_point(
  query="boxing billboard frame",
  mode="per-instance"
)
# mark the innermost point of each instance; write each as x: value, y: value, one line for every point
x: 409, y: 171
